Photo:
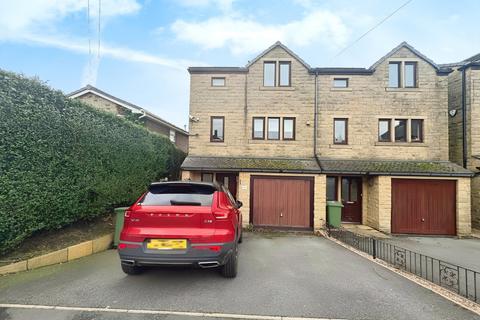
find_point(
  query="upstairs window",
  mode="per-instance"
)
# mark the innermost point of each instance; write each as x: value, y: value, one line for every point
x: 340, y: 83
x: 394, y: 74
x: 384, y: 134
x: 258, y: 128
x: 400, y: 130
x: 340, y: 131
x: 284, y: 70
x: 269, y: 73
x: 172, y: 135
x: 410, y: 75
x: 273, y: 129
x: 416, y: 130
x: 217, y: 128
x: 218, y: 82
x: 288, y: 128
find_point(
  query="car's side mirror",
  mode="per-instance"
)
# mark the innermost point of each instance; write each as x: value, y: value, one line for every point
x: 239, y: 204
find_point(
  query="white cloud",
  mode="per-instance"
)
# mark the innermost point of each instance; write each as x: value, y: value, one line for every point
x: 224, y: 5
x: 245, y: 35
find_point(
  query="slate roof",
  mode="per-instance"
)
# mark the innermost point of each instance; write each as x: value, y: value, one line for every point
x: 327, y: 166
x: 251, y: 164
x: 394, y: 167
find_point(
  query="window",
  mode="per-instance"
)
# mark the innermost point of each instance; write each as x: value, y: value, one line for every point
x: 400, y: 130
x: 269, y: 74
x: 258, y: 131
x: 410, y: 75
x: 218, y: 82
x: 207, y: 177
x: 217, y: 125
x: 288, y: 128
x: 340, y: 83
x: 331, y: 188
x: 284, y: 71
x: 340, y: 131
x: 273, y: 129
x: 394, y: 74
x: 384, y: 134
x: 172, y: 135
x: 178, y: 194
x: 416, y: 130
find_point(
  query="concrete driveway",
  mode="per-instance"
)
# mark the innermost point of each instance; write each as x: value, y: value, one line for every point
x: 291, y: 275
x: 463, y: 252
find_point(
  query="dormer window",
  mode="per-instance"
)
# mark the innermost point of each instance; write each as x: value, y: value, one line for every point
x: 284, y: 71
x: 405, y: 79
x: 274, y: 76
x: 394, y: 74
x: 410, y: 75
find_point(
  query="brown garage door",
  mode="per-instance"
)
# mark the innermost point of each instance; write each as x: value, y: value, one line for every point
x: 285, y: 202
x: 423, y: 206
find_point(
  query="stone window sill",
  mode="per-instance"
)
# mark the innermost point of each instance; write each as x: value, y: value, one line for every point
x: 265, y: 141
x: 402, y: 89
x: 341, y: 89
x: 277, y: 88
x: 218, y: 88
x: 340, y: 146
x: 401, y: 144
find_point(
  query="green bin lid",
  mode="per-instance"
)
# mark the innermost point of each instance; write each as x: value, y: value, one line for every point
x: 334, y: 204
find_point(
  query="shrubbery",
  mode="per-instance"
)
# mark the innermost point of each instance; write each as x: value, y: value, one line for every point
x: 61, y: 160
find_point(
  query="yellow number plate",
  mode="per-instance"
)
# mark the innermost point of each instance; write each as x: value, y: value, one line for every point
x: 167, y: 244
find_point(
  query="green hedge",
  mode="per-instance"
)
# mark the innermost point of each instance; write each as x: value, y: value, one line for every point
x: 62, y: 161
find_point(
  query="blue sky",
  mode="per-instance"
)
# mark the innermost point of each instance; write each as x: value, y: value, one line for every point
x: 146, y: 46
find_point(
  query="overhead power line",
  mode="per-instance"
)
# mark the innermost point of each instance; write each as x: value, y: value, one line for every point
x: 372, y: 28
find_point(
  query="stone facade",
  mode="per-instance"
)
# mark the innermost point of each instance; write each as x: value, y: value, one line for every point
x: 366, y: 100
x: 472, y: 105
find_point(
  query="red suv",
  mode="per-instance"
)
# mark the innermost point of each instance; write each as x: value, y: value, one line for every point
x: 182, y: 223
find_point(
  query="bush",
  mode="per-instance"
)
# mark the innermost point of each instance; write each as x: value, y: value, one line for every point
x: 62, y: 161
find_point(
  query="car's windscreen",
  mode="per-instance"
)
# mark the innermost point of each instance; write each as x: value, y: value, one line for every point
x: 178, y: 195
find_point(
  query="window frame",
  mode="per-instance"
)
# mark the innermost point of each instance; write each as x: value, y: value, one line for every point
x: 389, y: 129
x: 203, y: 180
x: 399, y: 71
x: 294, y: 128
x: 346, y: 131
x: 422, y: 130
x: 274, y: 73
x: 211, y: 128
x: 336, y: 178
x: 172, y: 135
x: 217, y: 78
x: 253, y: 128
x: 415, y: 74
x: 280, y: 63
x: 336, y: 79
x: 395, y: 133
x: 279, y: 128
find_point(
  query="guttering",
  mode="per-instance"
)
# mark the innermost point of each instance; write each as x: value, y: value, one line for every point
x: 464, y: 120
x: 408, y: 174
x: 299, y: 171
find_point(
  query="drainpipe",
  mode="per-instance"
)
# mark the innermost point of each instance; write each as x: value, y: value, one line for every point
x: 315, y: 122
x: 464, y: 119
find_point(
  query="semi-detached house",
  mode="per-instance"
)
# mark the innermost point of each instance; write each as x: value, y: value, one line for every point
x: 286, y: 138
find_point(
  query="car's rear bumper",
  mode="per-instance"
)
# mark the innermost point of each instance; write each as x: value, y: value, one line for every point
x: 195, y: 255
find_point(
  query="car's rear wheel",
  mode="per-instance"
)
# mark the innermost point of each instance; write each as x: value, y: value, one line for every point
x: 131, y: 270
x: 230, y: 268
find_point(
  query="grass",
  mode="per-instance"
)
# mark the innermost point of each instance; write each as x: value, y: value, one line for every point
x: 48, y: 241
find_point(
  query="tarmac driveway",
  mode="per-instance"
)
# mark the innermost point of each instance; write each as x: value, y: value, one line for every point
x: 287, y: 275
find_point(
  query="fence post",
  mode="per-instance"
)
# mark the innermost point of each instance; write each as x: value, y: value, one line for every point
x: 374, y: 249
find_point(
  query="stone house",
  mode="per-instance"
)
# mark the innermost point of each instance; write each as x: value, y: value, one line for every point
x: 106, y: 102
x: 286, y: 138
x: 464, y: 123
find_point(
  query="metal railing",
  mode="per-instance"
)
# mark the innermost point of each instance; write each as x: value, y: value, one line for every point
x: 461, y: 280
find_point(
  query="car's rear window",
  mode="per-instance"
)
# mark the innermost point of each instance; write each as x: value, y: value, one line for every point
x: 178, y: 195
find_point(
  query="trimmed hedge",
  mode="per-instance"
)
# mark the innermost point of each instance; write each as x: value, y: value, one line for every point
x: 62, y: 160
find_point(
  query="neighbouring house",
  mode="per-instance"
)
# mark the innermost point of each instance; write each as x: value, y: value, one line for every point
x: 286, y: 138
x: 106, y: 102
x: 464, y: 126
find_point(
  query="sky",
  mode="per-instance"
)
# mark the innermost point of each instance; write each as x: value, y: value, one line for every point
x: 140, y: 50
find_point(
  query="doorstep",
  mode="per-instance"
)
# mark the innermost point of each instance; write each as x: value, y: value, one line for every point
x: 364, y: 230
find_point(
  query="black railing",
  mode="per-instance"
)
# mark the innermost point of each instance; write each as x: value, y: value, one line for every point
x: 463, y: 281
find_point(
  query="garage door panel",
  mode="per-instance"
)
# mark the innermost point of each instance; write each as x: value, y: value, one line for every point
x: 423, y: 206
x: 281, y: 201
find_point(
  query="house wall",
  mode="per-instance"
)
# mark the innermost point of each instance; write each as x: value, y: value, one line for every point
x: 100, y: 103
x: 368, y: 99
x: 243, y: 98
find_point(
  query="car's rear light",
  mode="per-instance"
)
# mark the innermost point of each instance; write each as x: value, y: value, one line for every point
x: 128, y: 213
x: 127, y: 245
x: 221, y: 214
x: 212, y: 248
